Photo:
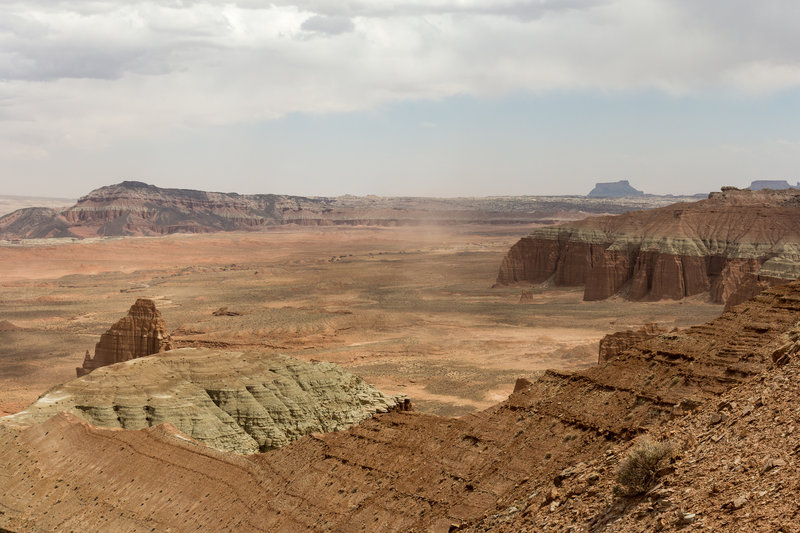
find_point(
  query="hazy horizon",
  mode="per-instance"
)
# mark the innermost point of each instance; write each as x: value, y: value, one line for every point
x: 398, y: 97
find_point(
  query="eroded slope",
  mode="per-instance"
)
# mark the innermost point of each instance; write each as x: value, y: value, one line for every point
x: 234, y: 401
x: 400, y: 471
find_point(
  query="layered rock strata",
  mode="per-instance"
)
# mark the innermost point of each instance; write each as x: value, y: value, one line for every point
x: 142, y: 332
x: 614, y: 344
x: 405, y: 471
x: 730, y: 246
x: 233, y: 401
x: 135, y: 208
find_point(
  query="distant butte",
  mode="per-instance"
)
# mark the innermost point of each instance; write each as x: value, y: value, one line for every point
x: 731, y: 246
x: 776, y: 185
x: 139, y: 334
x: 614, y: 189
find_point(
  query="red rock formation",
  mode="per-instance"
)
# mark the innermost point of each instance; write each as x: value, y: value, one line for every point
x: 141, y: 333
x: 613, y: 344
x: 731, y: 245
x: 405, y: 471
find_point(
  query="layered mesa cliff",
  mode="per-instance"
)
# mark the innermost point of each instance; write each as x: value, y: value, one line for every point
x: 135, y: 208
x: 544, y: 460
x: 239, y: 402
x: 142, y: 332
x: 731, y: 245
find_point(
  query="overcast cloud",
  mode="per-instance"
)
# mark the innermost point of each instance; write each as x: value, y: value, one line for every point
x: 86, y: 75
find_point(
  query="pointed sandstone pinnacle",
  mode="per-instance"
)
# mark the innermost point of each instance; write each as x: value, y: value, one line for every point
x: 141, y: 333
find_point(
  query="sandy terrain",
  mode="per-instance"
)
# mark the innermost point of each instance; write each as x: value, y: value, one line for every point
x: 409, y: 309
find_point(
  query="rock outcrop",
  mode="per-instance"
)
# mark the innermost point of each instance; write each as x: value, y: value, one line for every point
x: 544, y: 460
x: 135, y: 208
x: 614, y: 189
x: 731, y: 246
x: 5, y: 325
x: 142, y: 332
x: 233, y: 401
x: 614, y: 344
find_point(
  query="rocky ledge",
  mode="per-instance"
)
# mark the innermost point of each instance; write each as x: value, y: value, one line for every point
x: 731, y: 246
x: 232, y: 401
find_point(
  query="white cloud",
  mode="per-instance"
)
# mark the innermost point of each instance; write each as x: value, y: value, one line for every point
x: 87, y: 73
x: 328, y: 24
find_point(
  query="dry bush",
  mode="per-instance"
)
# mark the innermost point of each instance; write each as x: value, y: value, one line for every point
x: 637, y: 472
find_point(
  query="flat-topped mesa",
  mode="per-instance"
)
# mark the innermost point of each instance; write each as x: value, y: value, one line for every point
x: 731, y: 246
x: 139, y: 334
x: 757, y: 185
x: 614, y: 189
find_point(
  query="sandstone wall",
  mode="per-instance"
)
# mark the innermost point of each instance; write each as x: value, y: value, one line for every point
x: 730, y: 246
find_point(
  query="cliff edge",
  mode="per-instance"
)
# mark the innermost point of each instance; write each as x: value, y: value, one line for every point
x: 731, y: 246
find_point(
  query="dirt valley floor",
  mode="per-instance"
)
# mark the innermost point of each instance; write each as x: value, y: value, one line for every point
x: 412, y: 310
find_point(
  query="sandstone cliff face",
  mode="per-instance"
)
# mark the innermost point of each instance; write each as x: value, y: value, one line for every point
x: 544, y: 460
x: 731, y: 246
x: 141, y: 333
x: 614, y: 344
x: 240, y: 402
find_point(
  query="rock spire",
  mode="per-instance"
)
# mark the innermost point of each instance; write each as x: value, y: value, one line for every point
x: 141, y: 333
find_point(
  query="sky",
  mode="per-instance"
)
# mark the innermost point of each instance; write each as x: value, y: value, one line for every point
x: 398, y: 97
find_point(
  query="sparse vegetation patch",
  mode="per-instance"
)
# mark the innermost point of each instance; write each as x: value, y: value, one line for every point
x: 638, y: 471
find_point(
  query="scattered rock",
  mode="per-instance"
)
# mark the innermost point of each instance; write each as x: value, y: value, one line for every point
x: 736, y: 503
x: 771, y: 463
x: 689, y: 404
x: 224, y: 311
x: 684, y: 519
x: 782, y: 355
x: 717, y: 418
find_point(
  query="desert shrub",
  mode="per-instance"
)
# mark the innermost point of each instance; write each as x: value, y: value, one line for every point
x: 637, y: 472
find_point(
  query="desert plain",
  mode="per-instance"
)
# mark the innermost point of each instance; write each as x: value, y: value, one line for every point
x: 412, y: 310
